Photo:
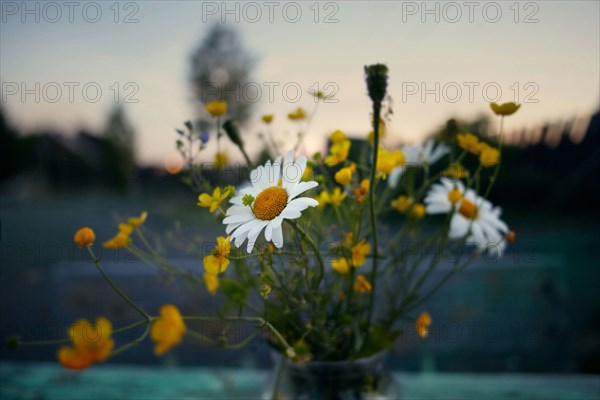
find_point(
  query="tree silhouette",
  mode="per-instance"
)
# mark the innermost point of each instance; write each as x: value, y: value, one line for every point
x: 120, y: 149
x: 221, y: 70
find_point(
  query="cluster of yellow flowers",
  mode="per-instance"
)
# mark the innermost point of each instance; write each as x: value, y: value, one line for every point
x: 85, y: 236
x: 403, y: 203
x: 93, y: 343
x: 488, y: 155
x: 339, y: 149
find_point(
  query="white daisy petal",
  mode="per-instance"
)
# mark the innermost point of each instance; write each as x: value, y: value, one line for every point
x: 301, y: 188
x: 278, y: 236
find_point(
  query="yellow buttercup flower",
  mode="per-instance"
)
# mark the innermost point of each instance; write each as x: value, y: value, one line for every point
x: 84, y: 237
x: 216, y: 108
x: 267, y: 119
x: 456, y: 171
x: 213, y: 201
x: 340, y: 265
x: 505, y: 109
x: 323, y: 198
x: 361, y: 191
x: 338, y: 153
x: 469, y: 142
x: 422, y: 324
x: 387, y: 161
x: 217, y: 262
x: 362, y: 285
x: 344, y: 175
x: 134, y: 222
x: 488, y: 155
x: 211, y: 282
x: 418, y: 210
x: 91, y: 344
x: 360, y: 251
x: 308, y: 173
x: 336, y: 197
x: 297, y: 115
x: 337, y: 137
x: 220, y: 160
x: 121, y: 239
x: 401, y: 204
x: 167, y: 330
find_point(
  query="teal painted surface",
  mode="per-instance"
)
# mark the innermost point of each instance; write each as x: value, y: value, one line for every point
x: 108, y: 382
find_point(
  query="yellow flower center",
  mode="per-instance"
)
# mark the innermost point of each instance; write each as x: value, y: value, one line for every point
x: 270, y: 203
x: 454, y: 196
x: 468, y: 209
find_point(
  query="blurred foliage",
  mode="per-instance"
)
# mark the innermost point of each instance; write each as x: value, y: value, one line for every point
x: 220, y: 68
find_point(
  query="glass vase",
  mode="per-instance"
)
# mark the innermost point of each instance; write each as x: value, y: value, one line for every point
x: 363, y: 379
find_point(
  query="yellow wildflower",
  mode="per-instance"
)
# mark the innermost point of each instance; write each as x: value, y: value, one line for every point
x: 213, y: 201
x: 297, y: 115
x: 308, y: 173
x: 167, y: 330
x: 267, y: 119
x: 362, y: 285
x: 84, y: 237
x: 338, y: 153
x: 134, y: 222
x: 360, y: 252
x: 91, y: 344
x: 216, y: 108
x: 469, y: 142
x: 401, y: 204
x: 418, y: 210
x: 505, y: 109
x: 387, y: 161
x: 220, y: 160
x: 337, y: 136
x: 361, y: 191
x: 336, y: 197
x: 340, y: 265
x: 344, y: 175
x: 488, y: 155
x: 212, y: 283
x: 217, y: 262
x: 323, y: 198
x: 121, y: 239
x: 456, y: 171
x: 422, y: 324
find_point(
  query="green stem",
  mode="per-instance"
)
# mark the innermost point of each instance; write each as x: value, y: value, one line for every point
x: 376, y: 118
x: 134, y: 343
x: 316, y: 250
x: 115, y: 287
x: 497, y: 170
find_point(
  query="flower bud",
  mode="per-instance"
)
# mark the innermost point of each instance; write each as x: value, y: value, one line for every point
x: 376, y: 77
x: 84, y: 237
x: 233, y: 133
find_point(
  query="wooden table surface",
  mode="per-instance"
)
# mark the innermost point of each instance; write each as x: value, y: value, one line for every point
x: 107, y: 382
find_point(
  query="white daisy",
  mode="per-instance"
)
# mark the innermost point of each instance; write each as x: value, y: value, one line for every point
x: 473, y: 217
x: 443, y: 197
x: 418, y: 155
x: 274, y: 189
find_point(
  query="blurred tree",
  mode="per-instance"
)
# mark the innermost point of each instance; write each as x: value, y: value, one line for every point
x: 8, y: 142
x: 222, y: 69
x: 120, y: 149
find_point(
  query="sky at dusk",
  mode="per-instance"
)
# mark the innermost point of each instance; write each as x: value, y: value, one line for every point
x: 544, y: 54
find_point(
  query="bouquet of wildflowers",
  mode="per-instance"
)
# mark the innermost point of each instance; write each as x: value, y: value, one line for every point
x: 313, y: 250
